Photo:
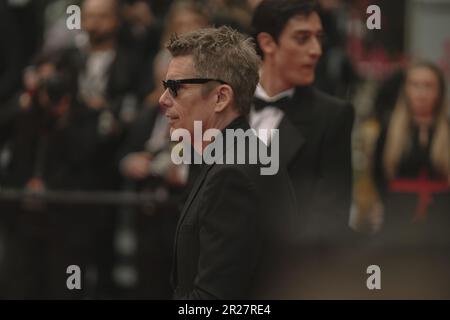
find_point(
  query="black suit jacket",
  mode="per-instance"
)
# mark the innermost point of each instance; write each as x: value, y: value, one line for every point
x: 315, y: 147
x: 231, y: 223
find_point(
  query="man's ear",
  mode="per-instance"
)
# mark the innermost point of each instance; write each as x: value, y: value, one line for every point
x: 224, y: 97
x: 266, y: 43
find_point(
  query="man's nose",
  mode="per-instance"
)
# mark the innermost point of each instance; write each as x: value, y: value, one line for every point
x: 165, y: 100
x: 315, y: 48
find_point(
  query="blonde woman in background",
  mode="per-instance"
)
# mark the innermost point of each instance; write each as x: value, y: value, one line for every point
x: 412, y: 160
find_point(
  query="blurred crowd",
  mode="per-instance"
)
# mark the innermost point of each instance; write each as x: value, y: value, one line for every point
x: 79, y: 114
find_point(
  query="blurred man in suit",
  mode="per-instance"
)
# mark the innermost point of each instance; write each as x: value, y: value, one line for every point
x: 223, y: 237
x: 315, y: 128
x: 315, y: 132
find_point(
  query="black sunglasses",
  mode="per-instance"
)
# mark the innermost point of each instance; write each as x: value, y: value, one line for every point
x: 174, y: 85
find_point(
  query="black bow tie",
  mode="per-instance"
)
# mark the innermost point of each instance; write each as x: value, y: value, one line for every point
x: 281, y: 103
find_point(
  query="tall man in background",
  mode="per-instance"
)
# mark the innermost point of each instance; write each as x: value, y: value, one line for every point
x: 315, y: 128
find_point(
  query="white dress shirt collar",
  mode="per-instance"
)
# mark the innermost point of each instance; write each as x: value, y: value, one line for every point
x: 262, y: 94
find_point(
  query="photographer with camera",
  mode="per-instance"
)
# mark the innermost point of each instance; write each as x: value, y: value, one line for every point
x: 52, y: 145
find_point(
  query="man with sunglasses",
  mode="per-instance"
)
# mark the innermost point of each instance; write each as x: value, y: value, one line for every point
x: 233, y: 217
x: 315, y: 131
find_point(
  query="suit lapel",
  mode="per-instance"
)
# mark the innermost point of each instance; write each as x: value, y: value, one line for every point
x: 296, y: 123
x: 198, y: 182
x: 291, y: 140
x: 195, y: 188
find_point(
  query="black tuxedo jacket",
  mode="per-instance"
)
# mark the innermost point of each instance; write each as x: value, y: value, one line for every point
x: 315, y: 147
x: 229, y: 229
